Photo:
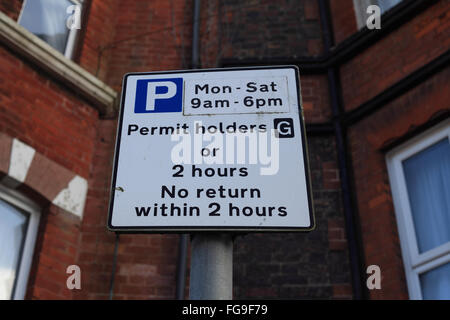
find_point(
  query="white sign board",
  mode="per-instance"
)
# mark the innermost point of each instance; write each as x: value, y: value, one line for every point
x: 211, y: 150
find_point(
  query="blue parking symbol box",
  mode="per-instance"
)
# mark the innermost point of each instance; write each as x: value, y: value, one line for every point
x: 159, y: 95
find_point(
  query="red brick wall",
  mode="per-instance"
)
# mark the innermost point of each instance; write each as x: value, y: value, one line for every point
x: 380, y: 66
x: 343, y: 19
x: 249, y: 29
x: 96, y: 246
x: 66, y: 129
x: 146, y: 267
x: 11, y: 8
x: 270, y: 266
x: 311, y: 265
x: 315, y: 97
x: 56, y: 249
x: 60, y: 125
x: 145, y: 264
x: 366, y: 141
x: 149, y: 36
x: 268, y: 29
x: 98, y: 31
x: 46, y: 115
x: 394, y: 57
x: 211, y: 44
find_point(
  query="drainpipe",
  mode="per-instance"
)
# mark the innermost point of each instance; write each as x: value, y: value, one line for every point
x: 355, y: 252
x: 184, y: 238
x: 195, y: 36
x: 114, y: 266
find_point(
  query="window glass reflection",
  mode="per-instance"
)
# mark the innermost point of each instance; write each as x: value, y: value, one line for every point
x: 13, y: 225
x: 47, y: 20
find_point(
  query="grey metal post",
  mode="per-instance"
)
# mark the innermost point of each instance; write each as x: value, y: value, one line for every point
x: 211, y: 267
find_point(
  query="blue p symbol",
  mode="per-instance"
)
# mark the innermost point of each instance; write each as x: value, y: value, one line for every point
x: 161, y: 95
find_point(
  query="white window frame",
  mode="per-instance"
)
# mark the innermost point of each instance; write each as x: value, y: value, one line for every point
x: 360, y: 11
x: 19, y: 201
x: 73, y: 33
x: 415, y: 263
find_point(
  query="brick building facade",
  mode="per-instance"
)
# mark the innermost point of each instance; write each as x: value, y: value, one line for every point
x: 366, y: 95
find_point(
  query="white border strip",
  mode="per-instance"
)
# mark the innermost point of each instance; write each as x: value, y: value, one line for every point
x: 73, y: 197
x: 21, y: 157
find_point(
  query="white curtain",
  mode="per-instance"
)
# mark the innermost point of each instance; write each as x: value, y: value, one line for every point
x: 12, y: 232
x: 436, y: 283
x: 385, y: 5
x: 427, y: 177
x: 47, y: 20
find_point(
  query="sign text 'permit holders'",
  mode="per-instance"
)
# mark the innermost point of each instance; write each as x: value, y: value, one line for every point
x: 211, y: 150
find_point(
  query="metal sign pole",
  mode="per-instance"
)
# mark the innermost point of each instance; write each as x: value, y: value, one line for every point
x: 211, y: 267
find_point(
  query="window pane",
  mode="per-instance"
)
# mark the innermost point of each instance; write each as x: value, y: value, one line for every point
x: 427, y: 177
x: 47, y: 20
x: 385, y: 5
x: 436, y: 283
x: 12, y: 234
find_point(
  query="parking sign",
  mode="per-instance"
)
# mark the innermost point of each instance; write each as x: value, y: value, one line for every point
x: 211, y: 150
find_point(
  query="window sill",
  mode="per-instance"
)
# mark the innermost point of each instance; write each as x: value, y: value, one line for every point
x: 43, y: 55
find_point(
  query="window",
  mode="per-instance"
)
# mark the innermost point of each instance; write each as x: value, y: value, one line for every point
x: 419, y: 173
x: 47, y: 19
x: 361, y: 8
x: 19, y: 220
